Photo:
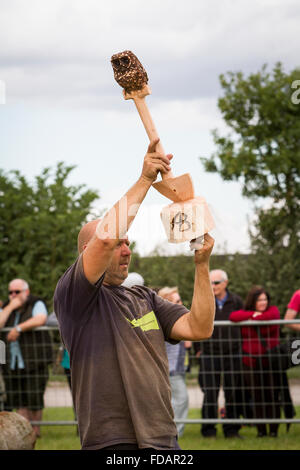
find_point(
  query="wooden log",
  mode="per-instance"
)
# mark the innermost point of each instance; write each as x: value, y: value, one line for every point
x: 16, y: 432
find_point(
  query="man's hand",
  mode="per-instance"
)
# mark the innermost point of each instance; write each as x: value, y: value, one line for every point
x: 202, y: 255
x: 155, y: 162
x: 13, y: 335
x: 15, y: 303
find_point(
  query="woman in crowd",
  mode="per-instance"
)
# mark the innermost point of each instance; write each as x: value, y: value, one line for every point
x: 257, y: 340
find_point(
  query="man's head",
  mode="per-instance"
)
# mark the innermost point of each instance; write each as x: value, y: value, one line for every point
x: 171, y: 294
x: 86, y: 234
x: 117, y: 271
x: 219, y: 281
x: 18, y: 288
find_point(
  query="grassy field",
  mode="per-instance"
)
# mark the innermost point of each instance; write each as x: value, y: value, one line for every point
x: 65, y: 437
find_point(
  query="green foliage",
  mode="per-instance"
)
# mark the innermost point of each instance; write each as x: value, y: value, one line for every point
x: 161, y: 271
x: 264, y: 149
x: 277, y: 273
x: 39, y: 224
x: 276, y: 250
x: 263, y: 153
x: 65, y: 437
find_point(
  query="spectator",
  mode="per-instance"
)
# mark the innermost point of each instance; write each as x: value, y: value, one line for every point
x: 176, y: 357
x: 293, y: 310
x: 260, y: 379
x: 220, y: 358
x: 29, y: 352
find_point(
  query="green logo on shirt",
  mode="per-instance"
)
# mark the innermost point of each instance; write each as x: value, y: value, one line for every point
x: 146, y: 323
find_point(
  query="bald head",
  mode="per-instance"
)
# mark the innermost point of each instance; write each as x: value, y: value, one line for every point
x: 86, y: 234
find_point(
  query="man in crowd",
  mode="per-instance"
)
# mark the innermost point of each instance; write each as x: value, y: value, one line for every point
x: 28, y: 351
x: 220, y: 358
x: 116, y: 335
x: 176, y: 357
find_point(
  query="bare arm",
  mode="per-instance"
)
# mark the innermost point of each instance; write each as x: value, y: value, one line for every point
x: 115, y: 224
x: 30, y: 324
x: 198, y: 323
x: 291, y: 315
x: 14, y: 304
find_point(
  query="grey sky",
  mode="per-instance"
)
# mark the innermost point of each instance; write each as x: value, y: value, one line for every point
x: 62, y: 102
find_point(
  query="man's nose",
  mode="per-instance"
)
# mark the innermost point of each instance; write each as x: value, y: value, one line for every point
x: 126, y: 250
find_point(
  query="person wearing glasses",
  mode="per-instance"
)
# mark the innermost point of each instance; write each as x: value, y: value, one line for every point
x: 28, y: 353
x: 220, y: 361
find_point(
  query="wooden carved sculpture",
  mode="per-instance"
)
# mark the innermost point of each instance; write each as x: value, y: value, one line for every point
x: 188, y: 217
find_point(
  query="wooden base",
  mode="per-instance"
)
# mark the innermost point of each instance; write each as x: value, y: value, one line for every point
x: 184, y: 221
x: 177, y: 189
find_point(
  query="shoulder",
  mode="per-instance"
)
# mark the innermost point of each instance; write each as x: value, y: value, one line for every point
x: 65, y: 278
x: 39, y: 307
x: 142, y: 292
x: 273, y: 310
x: 294, y: 302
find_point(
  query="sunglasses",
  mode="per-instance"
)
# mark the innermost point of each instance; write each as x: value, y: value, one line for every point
x: 15, y: 291
x: 216, y: 283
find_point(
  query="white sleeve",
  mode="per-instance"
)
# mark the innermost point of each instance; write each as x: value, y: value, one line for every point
x: 38, y: 308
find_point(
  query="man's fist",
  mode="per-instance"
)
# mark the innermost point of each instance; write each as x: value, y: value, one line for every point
x: 155, y: 162
x: 202, y: 255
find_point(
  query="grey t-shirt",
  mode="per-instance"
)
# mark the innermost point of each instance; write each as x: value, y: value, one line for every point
x: 119, y: 368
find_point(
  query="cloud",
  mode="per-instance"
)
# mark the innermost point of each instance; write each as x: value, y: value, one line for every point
x: 59, y: 51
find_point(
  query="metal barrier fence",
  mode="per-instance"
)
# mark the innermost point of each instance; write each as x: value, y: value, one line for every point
x: 238, y: 383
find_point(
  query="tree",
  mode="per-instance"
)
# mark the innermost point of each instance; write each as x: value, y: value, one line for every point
x: 39, y: 224
x: 263, y: 152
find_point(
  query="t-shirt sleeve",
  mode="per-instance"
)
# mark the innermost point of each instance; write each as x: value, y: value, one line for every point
x: 294, y: 303
x: 167, y: 313
x: 38, y: 308
x: 74, y: 294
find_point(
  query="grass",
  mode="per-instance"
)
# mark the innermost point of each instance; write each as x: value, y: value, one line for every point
x: 58, y: 437
x: 65, y: 437
x: 192, y: 440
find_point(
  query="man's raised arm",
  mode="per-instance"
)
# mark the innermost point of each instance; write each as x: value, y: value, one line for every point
x: 198, y: 324
x: 98, y: 252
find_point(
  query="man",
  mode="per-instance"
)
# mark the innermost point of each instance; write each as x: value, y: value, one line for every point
x: 176, y: 357
x: 115, y: 335
x: 29, y: 351
x: 221, y: 357
x: 293, y: 310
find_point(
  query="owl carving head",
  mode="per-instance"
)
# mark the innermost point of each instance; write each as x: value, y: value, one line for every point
x: 128, y: 71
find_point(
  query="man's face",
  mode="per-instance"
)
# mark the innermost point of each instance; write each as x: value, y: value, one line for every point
x: 218, y: 284
x: 16, y: 289
x: 117, y: 271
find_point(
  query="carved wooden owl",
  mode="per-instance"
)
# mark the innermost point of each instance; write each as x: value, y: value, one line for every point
x: 128, y: 71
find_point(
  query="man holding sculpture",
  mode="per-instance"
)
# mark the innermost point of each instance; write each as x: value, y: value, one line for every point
x: 116, y: 335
